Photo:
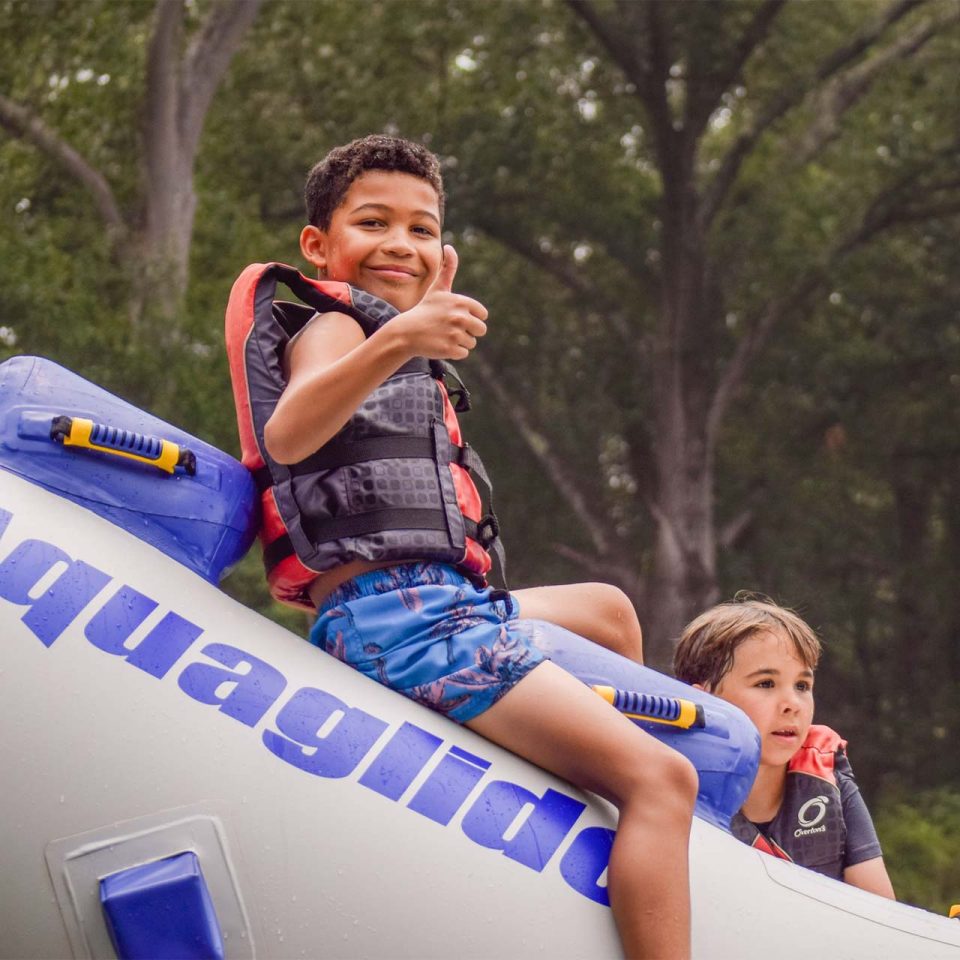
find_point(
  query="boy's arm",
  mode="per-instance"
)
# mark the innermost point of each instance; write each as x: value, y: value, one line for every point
x: 333, y: 368
x: 863, y: 860
x: 870, y: 875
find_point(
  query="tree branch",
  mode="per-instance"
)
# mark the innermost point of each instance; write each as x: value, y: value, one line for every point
x: 749, y: 347
x: 834, y: 100
x: 161, y: 130
x: 646, y: 70
x: 577, y: 283
x: 596, y: 526
x: 700, y: 110
x: 791, y: 96
x: 615, y: 42
x: 20, y: 121
x: 731, y: 532
x: 886, y: 211
x: 627, y: 578
x: 207, y: 60
x: 879, y: 216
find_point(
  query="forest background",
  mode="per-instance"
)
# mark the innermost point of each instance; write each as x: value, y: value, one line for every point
x: 718, y: 243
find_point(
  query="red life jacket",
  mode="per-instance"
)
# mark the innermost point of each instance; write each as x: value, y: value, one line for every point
x: 809, y: 828
x: 393, y: 484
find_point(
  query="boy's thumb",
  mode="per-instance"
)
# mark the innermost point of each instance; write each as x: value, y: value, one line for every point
x: 448, y: 270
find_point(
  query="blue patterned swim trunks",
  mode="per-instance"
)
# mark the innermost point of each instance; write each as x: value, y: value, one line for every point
x: 425, y: 630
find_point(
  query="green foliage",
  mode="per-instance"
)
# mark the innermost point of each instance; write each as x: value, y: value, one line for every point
x: 920, y: 834
x: 841, y: 450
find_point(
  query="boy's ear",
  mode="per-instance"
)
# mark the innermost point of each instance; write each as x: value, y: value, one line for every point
x: 313, y: 246
x: 699, y: 686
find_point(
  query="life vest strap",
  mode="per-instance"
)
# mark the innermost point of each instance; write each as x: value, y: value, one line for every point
x: 343, y: 454
x: 459, y: 395
x: 377, y: 521
x: 334, y: 454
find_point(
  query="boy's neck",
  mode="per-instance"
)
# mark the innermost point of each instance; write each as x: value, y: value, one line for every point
x: 766, y: 795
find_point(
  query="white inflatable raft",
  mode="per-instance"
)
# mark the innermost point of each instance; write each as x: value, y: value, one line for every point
x: 185, y: 778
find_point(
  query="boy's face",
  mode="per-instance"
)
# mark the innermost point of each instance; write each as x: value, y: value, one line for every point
x: 384, y: 238
x: 774, y: 688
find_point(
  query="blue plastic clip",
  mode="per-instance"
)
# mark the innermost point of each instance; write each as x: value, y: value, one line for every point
x: 162, y: 909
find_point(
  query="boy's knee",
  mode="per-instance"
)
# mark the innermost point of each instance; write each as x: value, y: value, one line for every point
x: 681, y: 778
x: 622, y: 621
x: 664, y: 778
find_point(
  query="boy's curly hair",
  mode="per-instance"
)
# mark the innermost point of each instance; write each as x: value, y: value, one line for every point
x: 330, y: 179
x: 705, y: 651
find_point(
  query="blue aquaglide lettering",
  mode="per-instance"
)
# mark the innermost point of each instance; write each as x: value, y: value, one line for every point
x: 252, y: 690
x: 316, y: 731
x: 113, y: 624
x: 542, y: 831
x: 585, y: 862
x: 396, y: 766
x: 335, y: 754
x: 441, y: 795
x: 57, y: 607
x: 163, y: 646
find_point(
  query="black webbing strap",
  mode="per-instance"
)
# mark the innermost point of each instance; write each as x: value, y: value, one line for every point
x: 372, y: 312
x: 262, y: 478
x: 459, y: 395
x: 488, y: 536
x: 274, y: 553
x: 342, y: 454
x: 488, y: 533
x: 376, y: 521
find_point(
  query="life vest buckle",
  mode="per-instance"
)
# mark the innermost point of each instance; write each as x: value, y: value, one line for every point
x: 488, y: 530
x: 460, y: 398
x: 464, y: 456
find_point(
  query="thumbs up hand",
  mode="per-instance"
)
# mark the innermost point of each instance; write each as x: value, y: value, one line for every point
x: 444, y: 325
x: 448, y: 270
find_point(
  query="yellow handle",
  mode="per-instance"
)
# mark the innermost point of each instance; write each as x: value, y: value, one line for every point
x: 80, y: 432
x: 636, y: 706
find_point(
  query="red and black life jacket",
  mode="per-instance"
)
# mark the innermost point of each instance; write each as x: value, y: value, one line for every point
x: 393, y: 484
x: 809, y: 828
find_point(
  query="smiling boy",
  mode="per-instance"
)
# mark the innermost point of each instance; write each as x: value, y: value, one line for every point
x: 361, y: 446
x: 804, y: 805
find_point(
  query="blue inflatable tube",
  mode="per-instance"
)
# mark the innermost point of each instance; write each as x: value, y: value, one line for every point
x: 205, y: 518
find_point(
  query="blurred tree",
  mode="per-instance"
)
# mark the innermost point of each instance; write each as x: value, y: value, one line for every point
x: 169, y: 62
x: 718, y: 243
x: 921, y: 835
x: 692, y: 177
x: 858, y: 498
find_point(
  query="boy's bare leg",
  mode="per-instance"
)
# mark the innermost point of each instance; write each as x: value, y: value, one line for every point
x: 552, y: 719
x: 600, y: 612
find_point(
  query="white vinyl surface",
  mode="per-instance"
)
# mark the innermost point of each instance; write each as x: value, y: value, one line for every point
x: 106, y: 765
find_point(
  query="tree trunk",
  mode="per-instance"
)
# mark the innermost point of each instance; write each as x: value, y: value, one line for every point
x: 179, y: 84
